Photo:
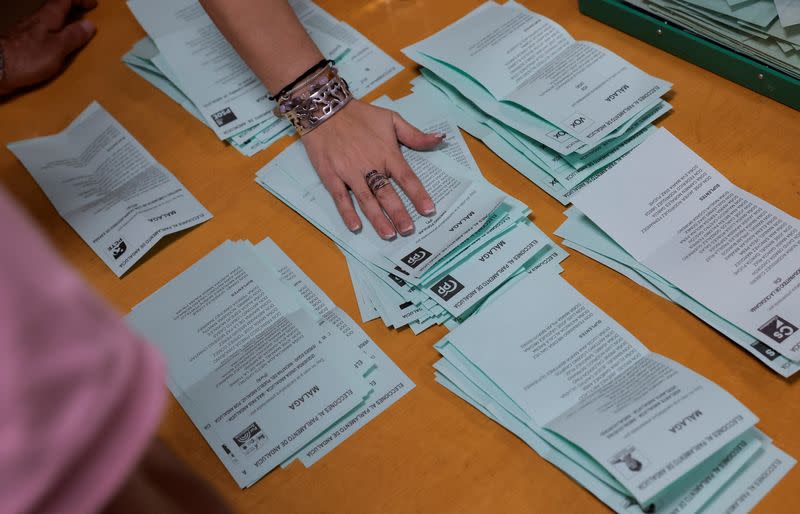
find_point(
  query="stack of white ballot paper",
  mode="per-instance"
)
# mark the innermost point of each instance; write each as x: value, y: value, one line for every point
x: 187, y: 58
x: 641, y: 432
x: 556, y: 109
x: 765, y: 30
x: 109, y: 188
x: 478, y: 239
x: 263, y: 362
x: 668, y: 220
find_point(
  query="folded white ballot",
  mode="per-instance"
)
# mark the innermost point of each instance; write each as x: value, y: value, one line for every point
x: 115, y: 195
x: 633, y: 426
x: 726, y: 248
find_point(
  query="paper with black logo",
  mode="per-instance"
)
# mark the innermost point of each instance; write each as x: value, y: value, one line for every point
x: 582, y: 235
x: 463, y: 208
x: 570, y: 369
x: 726, y: 248
x: 477, y: 274
x: 417, y: 280
x: 252, y: 361
x: 201, y: 64
x: 107, y: 186
x: 264, y: 364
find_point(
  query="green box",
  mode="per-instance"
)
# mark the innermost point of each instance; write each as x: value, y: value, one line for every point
x: 696, y: 49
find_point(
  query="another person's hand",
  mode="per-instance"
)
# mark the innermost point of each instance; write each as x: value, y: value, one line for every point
x: 37, y: 48
x: 361, y: 138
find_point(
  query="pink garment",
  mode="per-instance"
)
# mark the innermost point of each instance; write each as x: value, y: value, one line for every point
x: 80, y: 394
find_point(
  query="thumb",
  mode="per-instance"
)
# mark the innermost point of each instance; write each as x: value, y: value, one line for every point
x: 413, y: 137
x: 74, y: 36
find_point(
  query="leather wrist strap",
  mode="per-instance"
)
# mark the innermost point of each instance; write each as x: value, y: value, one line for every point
x: 321, y: 64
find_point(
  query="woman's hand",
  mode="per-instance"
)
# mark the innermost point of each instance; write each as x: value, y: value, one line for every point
x: 36, y: 49
x: 360, y: 138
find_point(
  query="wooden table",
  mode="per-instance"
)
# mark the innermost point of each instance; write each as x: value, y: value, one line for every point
x: 430, y: 452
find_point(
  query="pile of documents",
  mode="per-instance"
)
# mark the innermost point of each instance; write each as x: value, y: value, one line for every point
x: 765, y: 30
x: 110, y: 190
x: 187, y: 58
x: 265, y: 365
x: 478, y: 239
x: 639, y: 431
x: 668, y: 220
x: 556, y: 109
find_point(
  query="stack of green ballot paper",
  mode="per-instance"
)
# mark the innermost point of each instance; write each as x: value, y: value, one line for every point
x: 639, y: 431
x: 187, y: 58
x: 556, y: 109
x: 265, y: 365
x: 479, y: 239
x: 668, y: 220
x: 765, y: 30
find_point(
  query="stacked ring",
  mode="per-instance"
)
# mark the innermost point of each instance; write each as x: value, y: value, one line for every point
x: 376, y: 180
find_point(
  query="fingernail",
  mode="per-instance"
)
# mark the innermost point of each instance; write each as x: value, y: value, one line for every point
x: 355, y: 227
x: 88, y: 26
x: 389, y: 235
x: 428, y: 209
x: 406, y: 229
x: 441, y: 135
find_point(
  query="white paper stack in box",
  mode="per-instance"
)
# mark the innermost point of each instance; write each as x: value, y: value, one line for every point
x: 189, y: 60
x: 640, y: 432
x: 668, y: 220
x: 765, y: 30
x: 265, y: 365
x: 556, y: 109
x: 479, y: 239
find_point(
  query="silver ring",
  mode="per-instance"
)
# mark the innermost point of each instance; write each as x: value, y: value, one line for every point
x: 376, y: 180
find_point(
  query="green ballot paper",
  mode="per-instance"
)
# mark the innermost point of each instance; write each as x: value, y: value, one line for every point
x: 573, y: 383
x: 724, y: 247
x: 261, y: 360
x: 479, y: 239
x: 558, y: 110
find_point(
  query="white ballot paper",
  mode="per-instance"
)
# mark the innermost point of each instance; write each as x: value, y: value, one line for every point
x: 105, y: 184
x: 230, y: 98
x: 528, y: 61
x: 222, y: 86
x: 264, y: 364
x: 726, y: 248
x: 386, y: 379
x: 788, y: 11
x: 571, y: 369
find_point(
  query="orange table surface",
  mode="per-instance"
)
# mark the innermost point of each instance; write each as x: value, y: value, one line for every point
x: 430, y: 452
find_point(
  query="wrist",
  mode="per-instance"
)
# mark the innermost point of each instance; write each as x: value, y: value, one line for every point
x: 315, y: 100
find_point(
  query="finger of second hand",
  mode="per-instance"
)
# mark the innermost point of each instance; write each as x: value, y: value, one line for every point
x: 393, y: 206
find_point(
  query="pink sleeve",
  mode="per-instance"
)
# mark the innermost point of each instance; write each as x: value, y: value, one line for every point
x: 80, y: 393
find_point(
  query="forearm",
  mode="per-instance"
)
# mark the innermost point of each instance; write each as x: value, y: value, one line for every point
x: 268, y: 36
